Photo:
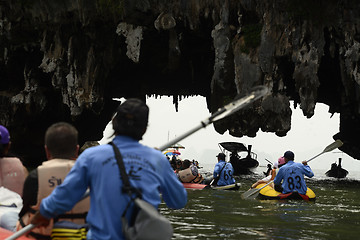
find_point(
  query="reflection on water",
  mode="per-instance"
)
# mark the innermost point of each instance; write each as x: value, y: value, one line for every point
x: 215, y: 214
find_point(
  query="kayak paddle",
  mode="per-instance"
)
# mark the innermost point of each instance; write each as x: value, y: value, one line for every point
x: 222, y: 112
x: 338, y: 143
x: 253, y: 193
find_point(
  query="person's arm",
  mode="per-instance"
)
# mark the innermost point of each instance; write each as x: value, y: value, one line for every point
x: 216, y: 170
x: 30, y: 191
x: 273, y: 174
x: 40, y: 220
x: 307, y: 170
x: 278, y: 177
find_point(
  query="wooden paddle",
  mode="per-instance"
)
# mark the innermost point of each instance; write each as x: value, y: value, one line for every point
x: 253, y: 193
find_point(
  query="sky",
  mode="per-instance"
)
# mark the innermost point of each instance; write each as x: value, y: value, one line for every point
x: 307, y: 137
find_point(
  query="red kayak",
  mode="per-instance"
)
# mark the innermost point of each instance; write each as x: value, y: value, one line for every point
x: 194, y: 186
x: 234, y: 186
x: 4, y: 233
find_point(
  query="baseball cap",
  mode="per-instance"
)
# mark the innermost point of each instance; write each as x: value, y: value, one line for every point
x: 4, y: 135
x: 131, y: 118
x: 221, y: 156
x: 134, y: 111
x: 289, y: 155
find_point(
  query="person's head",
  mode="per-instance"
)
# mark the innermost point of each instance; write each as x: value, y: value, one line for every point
x: 186, y: 164
x: 289, y: 156
x: 178, y: 164
x: 4, y: 141
x: 61, y: 141
x: 221, y: 156
x: 281, y: 161
x: 131, y: 118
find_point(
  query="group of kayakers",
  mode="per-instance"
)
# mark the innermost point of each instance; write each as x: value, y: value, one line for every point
x: 188, y: 172
x: 61, y: 187
x: 55, y: 189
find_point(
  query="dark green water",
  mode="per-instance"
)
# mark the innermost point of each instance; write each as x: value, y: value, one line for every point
x: 215, y: 214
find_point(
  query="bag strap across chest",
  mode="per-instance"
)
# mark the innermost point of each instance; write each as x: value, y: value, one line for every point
x: 127, y: 188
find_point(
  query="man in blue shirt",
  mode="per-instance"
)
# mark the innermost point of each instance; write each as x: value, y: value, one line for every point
x: 96, y: 168
x: 223, y: 171
x: 292, y: 175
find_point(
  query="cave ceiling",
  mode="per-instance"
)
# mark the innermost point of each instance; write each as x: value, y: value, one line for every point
x: 66, y: 60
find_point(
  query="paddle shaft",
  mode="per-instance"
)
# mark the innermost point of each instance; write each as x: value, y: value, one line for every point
x: 329, y: 148
x: 21, y: 232
x: 259, y: 189
x: 184, y: 135
x: 225, y: 111
x: 314, y: 157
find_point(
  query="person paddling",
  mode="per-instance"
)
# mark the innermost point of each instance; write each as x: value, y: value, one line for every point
x: 271, y: 175
x: 12, y: 177
x: 61, y: 148
x: 96, y: 168
x: 291, y: 175
x: 190, y: 173
x: 223, y: 171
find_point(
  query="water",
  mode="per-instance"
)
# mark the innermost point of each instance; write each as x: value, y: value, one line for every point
x: 216, y: 214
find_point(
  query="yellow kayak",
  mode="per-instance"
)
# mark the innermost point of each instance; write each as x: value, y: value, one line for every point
x: 269, y: 193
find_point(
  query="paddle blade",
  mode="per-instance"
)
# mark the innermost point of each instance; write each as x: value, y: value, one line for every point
x: 338, y: 143
x: 236, y: 105
x: 251, y: 193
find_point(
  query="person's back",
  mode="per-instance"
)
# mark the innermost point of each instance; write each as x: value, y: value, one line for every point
x: 148, y: 169
x: 292, y: 175
x: 223, y: 171
x: 61, y: 150
x: 12, y: 178
x: 12, y: 171
x: 190, y: 173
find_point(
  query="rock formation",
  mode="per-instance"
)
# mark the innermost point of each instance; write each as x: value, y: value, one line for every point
x: 66, y: 60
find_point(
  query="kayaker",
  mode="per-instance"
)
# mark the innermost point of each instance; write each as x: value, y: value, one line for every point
x: 271, y: 175
x: 190, y: 173
x: 12, y: 171
x: 61, y: 148
x: 291, y: 175
x: 223, y: 171
x: 96, y: 168
x: 12, y: 177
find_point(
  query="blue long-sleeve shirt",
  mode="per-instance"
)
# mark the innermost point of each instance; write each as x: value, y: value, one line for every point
x: 292, y: 174
x: 97, y: 169
x: 226, y: 175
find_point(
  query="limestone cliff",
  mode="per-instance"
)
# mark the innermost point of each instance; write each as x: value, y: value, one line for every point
x: 66, y: 60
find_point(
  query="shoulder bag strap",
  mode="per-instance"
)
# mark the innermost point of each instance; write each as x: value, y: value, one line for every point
x: 222, y: 168
x: 124, y: 177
